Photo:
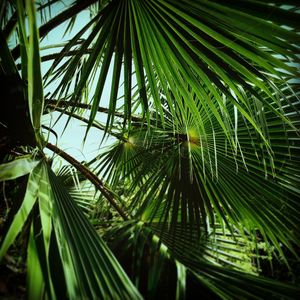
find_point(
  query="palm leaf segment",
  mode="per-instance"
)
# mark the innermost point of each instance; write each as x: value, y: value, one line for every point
x: 183, y: 47
x: 63, y: 239
x: 151, y: 254
x: 184, y: 177
x: 222, y: 105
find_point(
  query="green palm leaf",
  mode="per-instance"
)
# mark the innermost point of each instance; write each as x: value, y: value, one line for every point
x: 204, y: 168
x: 18, y: 167
x: 139, y: 237
x: 158, y: 35
x: 96, y: 271
x: 23, y: 211
x: 89, y: 267
x: 194, y: 177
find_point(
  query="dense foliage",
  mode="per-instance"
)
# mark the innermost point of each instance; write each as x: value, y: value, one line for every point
x: 197, y: 190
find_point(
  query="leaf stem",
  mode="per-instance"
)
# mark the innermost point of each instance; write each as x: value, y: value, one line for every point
x: 98, y: 183
x: 53, y: 104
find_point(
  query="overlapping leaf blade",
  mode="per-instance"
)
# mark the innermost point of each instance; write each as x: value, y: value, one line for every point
x: 23, y: 211
x: 178, y: 45
x: 18, y: 167
x: 96, y: 270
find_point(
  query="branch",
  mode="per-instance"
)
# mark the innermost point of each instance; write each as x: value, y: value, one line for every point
x: 69, y: 53
x: 95, y: 125
x: 62, y: 103
x: 56, y: 55
x: 90, y: 176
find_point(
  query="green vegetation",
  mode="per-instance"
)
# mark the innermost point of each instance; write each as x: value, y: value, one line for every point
x: 197, y: 193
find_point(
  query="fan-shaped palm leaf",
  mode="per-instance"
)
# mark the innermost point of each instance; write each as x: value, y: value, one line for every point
x: 88, y: 265
x: 179, y: 44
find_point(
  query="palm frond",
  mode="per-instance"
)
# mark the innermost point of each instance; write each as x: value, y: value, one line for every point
x: 193, y: 177
x: 23, y: 211
x: 161, y: 35
x: 89, y: 267
x: 139, y: 237
x: 92, y: 255
x: 201, y: 183
x: 18, y: 167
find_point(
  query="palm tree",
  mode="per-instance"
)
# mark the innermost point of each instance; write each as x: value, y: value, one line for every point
x: 199, y: 190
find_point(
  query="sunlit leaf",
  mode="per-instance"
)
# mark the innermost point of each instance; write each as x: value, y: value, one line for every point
x: 18, y: 167
x: 23, y: 212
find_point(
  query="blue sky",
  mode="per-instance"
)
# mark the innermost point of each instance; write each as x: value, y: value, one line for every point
x: 71, y: 139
